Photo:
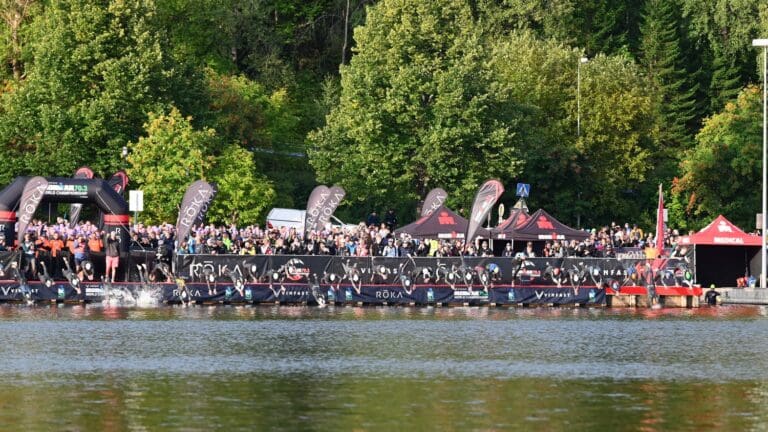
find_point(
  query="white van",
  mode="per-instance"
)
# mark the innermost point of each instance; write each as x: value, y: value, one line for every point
x: 294, y: 218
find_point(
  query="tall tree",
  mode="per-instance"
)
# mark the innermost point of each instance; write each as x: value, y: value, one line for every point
x: 97, y: 70
x: 578, y: 176
x: 726, y: 81
x: 244, y: 196
x: 662, y: 58
x: 165, y: 161
x: 726, y: 28
x: 720, y: 173
x: 15, y: 13
x: 419, y: 108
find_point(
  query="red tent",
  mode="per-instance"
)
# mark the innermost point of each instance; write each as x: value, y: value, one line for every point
x: 721, y: 232
x: 723, y: 253
x: 441, y: 223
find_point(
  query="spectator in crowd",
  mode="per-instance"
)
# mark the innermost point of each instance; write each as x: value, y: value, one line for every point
x: 485, y: 251
x: 373, y: 219
x: 391, y: 219
x: 529, y: 253
x: 113, y: 255
x: 390, y: 250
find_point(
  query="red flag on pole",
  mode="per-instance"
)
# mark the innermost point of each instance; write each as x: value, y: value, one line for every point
x: 660, y: 225
x: 659, y: 261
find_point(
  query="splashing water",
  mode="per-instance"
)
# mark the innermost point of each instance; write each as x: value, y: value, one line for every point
x: 142, y: 297
x: 147, y: 297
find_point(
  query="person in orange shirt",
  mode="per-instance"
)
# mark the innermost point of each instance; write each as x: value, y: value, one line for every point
x: 95, y: 244
x: 57, y: 245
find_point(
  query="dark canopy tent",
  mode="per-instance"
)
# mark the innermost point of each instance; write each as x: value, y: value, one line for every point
x: 503, y: 233
x: 442, y: 223
x: 542, y: 226
x: 722, y: 253
x: 506, y: 229
x: 537, y: 228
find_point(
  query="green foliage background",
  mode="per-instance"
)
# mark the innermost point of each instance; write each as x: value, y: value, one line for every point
x: 390, y: 98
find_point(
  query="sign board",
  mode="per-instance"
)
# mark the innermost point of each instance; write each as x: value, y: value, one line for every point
x: 759, y: 221
x: 136, y: 200
x: 523, y: 190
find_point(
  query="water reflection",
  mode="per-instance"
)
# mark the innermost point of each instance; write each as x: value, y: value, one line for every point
x: 259, y: 402
x: 288, y: 368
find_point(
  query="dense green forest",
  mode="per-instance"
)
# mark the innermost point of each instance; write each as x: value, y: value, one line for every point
x: 592, y: 102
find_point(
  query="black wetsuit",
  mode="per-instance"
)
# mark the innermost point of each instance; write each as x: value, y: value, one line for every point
x: 711, y: 297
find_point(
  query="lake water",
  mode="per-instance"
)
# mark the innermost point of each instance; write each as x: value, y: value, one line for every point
x: 343, y: 368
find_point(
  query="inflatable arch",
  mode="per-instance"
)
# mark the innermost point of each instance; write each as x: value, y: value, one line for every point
x: 69, y: 190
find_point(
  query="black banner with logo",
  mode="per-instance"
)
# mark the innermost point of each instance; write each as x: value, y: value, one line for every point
x: 434, y: 200
x: 485, y: 199
x: 194, y: 206
x: 33, y: 193
x: 314, y: 204
x: 335, y: 195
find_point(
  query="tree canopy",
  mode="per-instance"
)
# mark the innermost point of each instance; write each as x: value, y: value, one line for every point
x: 390, y: 98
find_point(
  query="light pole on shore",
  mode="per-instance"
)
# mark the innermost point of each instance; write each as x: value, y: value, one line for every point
x: 764, y: 44
x: 578, y: 119
x: 578, y: 95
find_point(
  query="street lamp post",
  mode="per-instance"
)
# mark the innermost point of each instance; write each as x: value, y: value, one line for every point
x: 578, y: 118
x: 124, y: 156
x: 578, y: 95
x: 764, y: 44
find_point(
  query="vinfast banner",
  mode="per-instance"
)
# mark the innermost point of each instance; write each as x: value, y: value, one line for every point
x: 435, y: 198
x: 194, y: 206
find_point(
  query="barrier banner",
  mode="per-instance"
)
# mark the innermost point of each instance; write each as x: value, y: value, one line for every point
x: 471, y: 273
x: 391, y: 294
x: 543, y: 295
x: 58, y: 291
x: 249, y: 293
x: 10, y: 292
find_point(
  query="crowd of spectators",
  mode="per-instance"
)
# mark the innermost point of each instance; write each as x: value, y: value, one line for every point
x: 58, y: 246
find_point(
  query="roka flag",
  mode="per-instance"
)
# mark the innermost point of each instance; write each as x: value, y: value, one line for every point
x: 74, y: 209
x: 486, y: 197
x: 194, y: 206
x: 435, y: 198
x: 315, y: 203
x: 33, y: 193
x: 335, y: 195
